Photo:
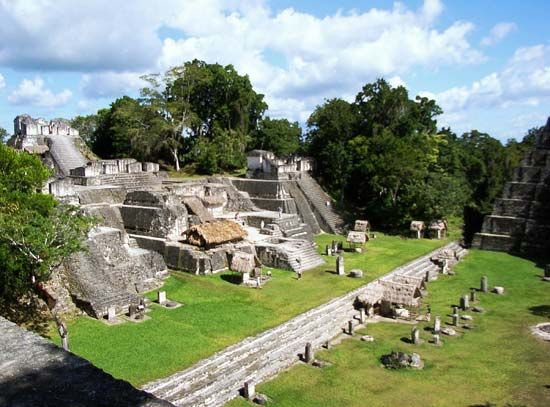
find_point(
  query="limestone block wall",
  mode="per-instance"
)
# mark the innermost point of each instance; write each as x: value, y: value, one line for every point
x: 520, y: 221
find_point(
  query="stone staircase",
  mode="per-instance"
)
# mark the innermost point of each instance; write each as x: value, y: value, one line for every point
x: 65, y: 154
x: 131, y: 181
x: 216, y: 380
x: 520, y: 221
x: 304, y: 257
x: 327, y: 218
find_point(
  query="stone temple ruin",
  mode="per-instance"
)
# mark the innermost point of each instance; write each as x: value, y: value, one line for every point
x: 148, y: 223
x: 520, y: 221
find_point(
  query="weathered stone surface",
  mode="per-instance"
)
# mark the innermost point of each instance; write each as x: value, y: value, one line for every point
x: 498, y: 290
x: 356, y: 273
x: 521, y: 218
x: 478, y: 309
x: 401, y: 360
x: 367, y: 338
x: 35, y: 372
x: 467, y: 317
x: 448, y: 331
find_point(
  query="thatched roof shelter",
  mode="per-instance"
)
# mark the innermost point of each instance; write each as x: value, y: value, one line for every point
x: 215, y: 233
x: 417, y: 225
x: 357, y: 238
x: 418, y: 282
x: 438, y: 225
x: 373, y: 294
x: 361, y: 226
x: 407, y: 295
x: 243, y: 262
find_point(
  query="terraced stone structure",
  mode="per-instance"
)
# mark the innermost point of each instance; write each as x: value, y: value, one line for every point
x: 520, y: 221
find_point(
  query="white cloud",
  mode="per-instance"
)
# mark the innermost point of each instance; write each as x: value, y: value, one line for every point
x: 32, y: 92
x: 2, y: 81
x: 110, y: 84
x: 396, y: 81
x: 524, y: 84
x: 498, y: 33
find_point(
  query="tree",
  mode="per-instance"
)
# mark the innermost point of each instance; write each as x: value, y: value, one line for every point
x: 86, y: 126
x: 277, y: 135
x: 3, y: 135
x: 37, y: 232
x: 330, y: 130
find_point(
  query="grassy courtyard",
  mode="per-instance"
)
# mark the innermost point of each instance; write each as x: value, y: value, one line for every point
x: 498, y: 363
x: 218, y: 312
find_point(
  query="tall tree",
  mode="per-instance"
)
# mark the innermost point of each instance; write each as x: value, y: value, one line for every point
x: 277, y: 135
x: 3, y: 135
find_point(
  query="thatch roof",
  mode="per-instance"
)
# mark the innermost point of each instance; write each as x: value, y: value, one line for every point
x: 357, y: 237
x: 418, y: 282
x: 372, y: 294
x: 361, y: 226
x: 242, y: 262
x: 404, y: 294
x: 417, y: 225
x: 438, y: 225
x: 215, y: 233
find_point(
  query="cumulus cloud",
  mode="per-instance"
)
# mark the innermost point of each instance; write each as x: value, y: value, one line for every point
x: 33, y: 93
x: 110, y: 84
x: 2, y: 81
x: 498, y: 33
x: 288, y: 55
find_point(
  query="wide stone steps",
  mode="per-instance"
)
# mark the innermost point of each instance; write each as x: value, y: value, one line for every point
x: 318, y: 199
x: 65, y: 154
x: 216, y: 380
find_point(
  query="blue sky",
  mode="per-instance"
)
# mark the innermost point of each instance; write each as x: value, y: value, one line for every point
x: 487, y: 63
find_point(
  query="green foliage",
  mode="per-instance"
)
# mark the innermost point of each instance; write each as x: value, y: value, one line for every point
x: 3, y: 135
x: 277, y: 135
x: 37, y: 233
x: 86, y: 126
x: 178, y: 113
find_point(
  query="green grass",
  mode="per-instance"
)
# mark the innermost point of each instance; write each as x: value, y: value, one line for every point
x: 498, y: 362
x: 218, y: 313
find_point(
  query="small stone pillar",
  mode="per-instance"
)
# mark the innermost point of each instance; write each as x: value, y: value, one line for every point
x: 436, y: 340
x: 350, y: 328
x: 328, y: 250
x: 327, y: 345
x: 308, y: 354
x: 427, y: 276
x: 464, y: 302
x: 334, y: 246
x: 249, y: 390
x: 473, y: 295
x: 132, y: 310
x: 415, y: 336
x: 437, y: 325
x: 362, y: 315
x: 547, y: 271
x: 111, y: 314
x: 161, y: 297
x: 484, y: 284
x: 455, y: 309
x: 456, y: 318
x: 340, y: 266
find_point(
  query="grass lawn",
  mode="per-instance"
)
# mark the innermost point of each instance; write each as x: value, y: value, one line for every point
x: 498, y: 363
x: 218, y: 313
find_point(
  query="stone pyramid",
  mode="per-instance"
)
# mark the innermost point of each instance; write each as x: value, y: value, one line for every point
x: 520, y: 221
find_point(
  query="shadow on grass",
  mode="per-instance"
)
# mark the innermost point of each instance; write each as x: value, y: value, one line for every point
x: 406, y: 340
x: 541, y: 311
x: 232, y: 278
x: 331, y: 272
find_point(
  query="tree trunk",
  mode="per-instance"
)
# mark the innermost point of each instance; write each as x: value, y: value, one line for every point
x: 176, y: 158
